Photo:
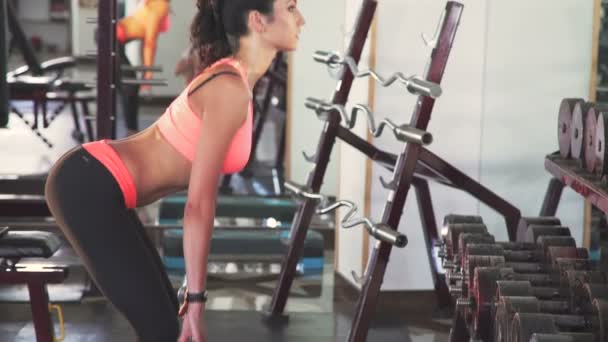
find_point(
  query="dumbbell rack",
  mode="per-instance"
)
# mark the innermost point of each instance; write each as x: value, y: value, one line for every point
x: 541, y: 285
x: 569, y: 172
x: 415, y: 165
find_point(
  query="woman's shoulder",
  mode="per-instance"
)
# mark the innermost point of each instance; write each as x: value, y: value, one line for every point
x: 219, y: 77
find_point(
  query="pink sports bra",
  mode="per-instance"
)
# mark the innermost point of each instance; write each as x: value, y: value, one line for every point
x: 181, y: 126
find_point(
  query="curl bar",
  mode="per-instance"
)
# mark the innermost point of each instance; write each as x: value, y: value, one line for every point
x: 380, y: 231
x: 302, y: 192
x: 413, y: 84
x: 404, y: 133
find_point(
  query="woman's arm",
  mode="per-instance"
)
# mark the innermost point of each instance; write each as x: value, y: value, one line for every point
x: 156, y: 13
x: 225, y: 104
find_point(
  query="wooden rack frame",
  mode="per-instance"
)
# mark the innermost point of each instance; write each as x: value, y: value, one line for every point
x: 415, y: 165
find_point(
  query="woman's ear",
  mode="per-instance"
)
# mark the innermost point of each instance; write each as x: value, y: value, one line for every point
x: 257, y: 22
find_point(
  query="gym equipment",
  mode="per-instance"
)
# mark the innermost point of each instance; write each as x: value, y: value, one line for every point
x: 263, y: 246
x: 3, y: 69
x: 533, y: 326
x: 591, y: 119
x: 379, y: 231
x: 44, y: 82
x: 496, y: 284
x: 413, y: 84
x: 33, y: 66
x: 564, y: 127
x: 525, y: 222
x: 280, y: 208
x: 568, y: 172
x: 577, y: 130
x: 601, y: 138
x: 584, y: 168
x: 403, y: 133
x: 415, y: 165
x: 106, y: 64
x: 16, y: 245
x: 270, y: 245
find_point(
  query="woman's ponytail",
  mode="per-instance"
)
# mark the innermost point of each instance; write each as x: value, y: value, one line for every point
x: 208, y: 35
x: 219, y: 24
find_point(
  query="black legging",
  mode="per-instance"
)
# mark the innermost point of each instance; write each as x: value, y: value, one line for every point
x: 89, y: 207
x: 129, y: 93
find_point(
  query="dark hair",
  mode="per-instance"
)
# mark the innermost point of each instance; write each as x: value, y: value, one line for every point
x: 218, y: 25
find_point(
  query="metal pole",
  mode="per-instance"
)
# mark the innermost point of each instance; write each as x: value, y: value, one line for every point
x: 3, y: 69
x: 326, y: 142
x: 403, y: 177
x: 106, y: 54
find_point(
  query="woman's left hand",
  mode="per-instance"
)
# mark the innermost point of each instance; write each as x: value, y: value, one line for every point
x: 194, y: 327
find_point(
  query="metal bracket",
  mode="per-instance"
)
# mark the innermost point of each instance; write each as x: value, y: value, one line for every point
x: 310, y: 159
x: 357, y: 278
x: 392, y: 185
x: 432, y: 42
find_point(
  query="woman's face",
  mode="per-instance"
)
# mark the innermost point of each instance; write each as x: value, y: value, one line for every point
x: 284, y: 29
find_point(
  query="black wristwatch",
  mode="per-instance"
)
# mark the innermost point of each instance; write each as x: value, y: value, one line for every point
x: 196, y: 297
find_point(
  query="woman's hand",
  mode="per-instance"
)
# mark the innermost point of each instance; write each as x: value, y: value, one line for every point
x: 194, y: 327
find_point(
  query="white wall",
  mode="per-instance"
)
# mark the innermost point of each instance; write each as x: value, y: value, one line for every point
x: 82, y: 33
x: 551, y: 61
x: 496, y: 119
x: 34, y: 17
x: 323, y: 31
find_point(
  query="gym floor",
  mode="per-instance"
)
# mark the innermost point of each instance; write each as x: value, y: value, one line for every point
x: 320, y: 308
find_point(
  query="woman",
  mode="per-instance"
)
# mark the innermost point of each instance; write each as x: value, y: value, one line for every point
x: 145, y: 24
x: 205, y: 132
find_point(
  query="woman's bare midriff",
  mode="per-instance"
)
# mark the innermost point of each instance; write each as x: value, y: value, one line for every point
x: 157, y: 168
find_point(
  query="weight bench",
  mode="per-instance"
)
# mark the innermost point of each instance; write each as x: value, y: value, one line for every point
x: 34, y: 80
x: 43, y: 89
x: 242, y: 253
x: 16, y: 245
x: 280, y: 208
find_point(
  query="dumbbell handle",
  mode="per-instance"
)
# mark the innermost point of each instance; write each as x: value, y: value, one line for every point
x: 547, y: 293
x: 571, y: 322
x: 564, y: 337
x: 559, y: 307
x: 536, y: 279
x: 510, y: 255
